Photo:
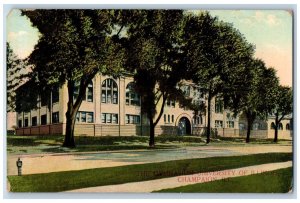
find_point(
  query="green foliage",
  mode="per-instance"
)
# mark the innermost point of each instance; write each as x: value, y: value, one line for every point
x: 15, y: 68
x: 68, y: 180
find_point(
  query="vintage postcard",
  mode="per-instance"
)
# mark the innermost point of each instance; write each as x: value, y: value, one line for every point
x: 149, y: 101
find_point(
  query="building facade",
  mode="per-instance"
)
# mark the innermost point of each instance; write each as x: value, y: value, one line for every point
x: 112, y: 108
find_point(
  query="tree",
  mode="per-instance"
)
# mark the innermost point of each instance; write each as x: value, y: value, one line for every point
x: 73, y: 47
x: 216, y: 53
x: 254, y: 94
x: 15, y: 70
x: 155, y: 59
x: 283, y: 106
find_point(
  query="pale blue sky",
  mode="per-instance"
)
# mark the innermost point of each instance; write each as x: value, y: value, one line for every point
x: 269, y: 30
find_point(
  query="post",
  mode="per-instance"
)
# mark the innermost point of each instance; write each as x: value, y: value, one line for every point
x: 19, y: 166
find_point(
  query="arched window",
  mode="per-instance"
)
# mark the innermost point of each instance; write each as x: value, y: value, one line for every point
x: 109, y: 91
x: 287, y: 126
x: 273, y: 125
x: 88, y: 94
x: 132, y: 98
x: 280, y: 127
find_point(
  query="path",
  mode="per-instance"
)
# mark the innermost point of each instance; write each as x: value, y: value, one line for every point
x: 159, y: 184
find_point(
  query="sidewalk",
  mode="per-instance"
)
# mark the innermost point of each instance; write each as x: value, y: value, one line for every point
x: 159, y: 184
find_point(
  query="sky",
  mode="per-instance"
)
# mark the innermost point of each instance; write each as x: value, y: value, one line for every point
x: 269, y: 30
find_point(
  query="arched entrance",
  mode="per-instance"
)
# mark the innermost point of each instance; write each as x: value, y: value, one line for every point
x: 184, y: 126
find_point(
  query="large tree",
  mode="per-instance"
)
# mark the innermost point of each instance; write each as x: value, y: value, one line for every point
x: 254, y: 93
x: 14, y: 70
x: 156, y: 61
x: 74, y: 46
x: 283, y: 106
x: 217, y: 53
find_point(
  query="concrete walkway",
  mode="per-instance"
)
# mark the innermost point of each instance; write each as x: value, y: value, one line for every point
x: 159, y: 184
x: 45, y: 163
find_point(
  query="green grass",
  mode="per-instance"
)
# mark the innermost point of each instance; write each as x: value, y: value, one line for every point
x: 62, y: 181
x: 278, y: 181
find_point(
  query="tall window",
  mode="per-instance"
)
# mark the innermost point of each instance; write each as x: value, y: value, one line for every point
x: 20, y: 123
x: 55, y: 94
x: 273, y: 125
x: 34, y: 121
x: 88, y: 94
x: 132, y: 98
x: 198, y: 120
x: 44, y: 119
x: 26, y: 122
x: 280, y: 127
x: 287, y: 126
x: 109, y: 92
x: 219, y: 105
x: 55, y: 117
x: 230, y: 124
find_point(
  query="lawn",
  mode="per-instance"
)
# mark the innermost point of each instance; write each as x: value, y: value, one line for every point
x: 53, y: 143
x: 63, y: 181
x: 278, y: 181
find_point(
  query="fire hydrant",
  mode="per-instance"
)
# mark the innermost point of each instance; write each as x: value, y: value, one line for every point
x: 19, y: 165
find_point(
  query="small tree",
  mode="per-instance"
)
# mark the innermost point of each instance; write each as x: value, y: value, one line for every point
x: 74, y: 46
x: 283, y: 106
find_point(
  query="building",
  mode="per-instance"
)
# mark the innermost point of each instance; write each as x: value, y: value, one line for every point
x: 111, y: 107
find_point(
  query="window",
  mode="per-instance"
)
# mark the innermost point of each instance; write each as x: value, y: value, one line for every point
x: 219, y: 105
x: 287, y: 126
x: 55, y: 94
x: 165, y: 118
x: 186, y: 90
x: 89, y: 92
x: 168, y: 118
x: 44, y: 119
x: 132, y: 98
x: 170, y: 103
x: 20, y: 123
x: 172, y: 118
x: 85, y: 117
x: 132, y: 119
x: 280, y: 127
x: 218, y: 124
x: 109, y: 118
x: 109, y: 92
x: 273, y: 125
x: 197, y: 120
x: 26, y: 122
x: 230, y: 124
x: 55, y: 117
x: 34, y: 121
x: 90, y: 117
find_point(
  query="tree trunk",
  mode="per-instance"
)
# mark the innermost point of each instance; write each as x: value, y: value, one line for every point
x: 248, y: 131
x: 276, y: 128
x: 69, y: 137
x: 250, y: 123
x: 151, y: 139
x: 208, y: 119
x: 72, y: 111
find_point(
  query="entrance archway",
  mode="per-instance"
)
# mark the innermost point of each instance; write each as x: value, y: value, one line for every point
x: 184, y: 126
